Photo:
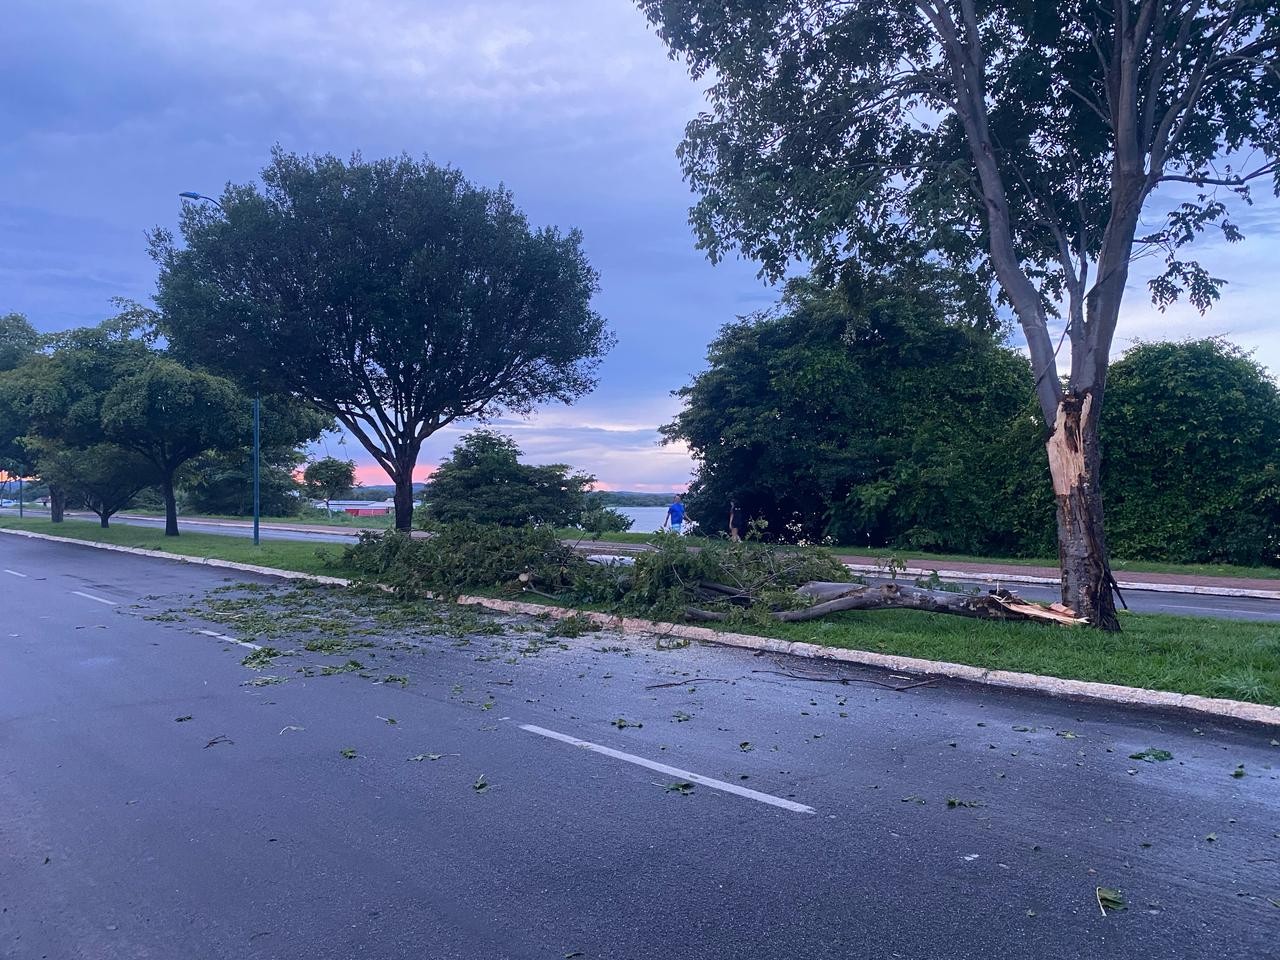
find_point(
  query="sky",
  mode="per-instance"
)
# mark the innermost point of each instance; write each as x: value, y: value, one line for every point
x: 111, y: 108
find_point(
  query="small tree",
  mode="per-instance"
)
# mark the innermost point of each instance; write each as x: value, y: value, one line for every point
x: 394, y: 295
x: 483, y: 481
x: 168, y: 414
x: 55, y: 396
x: 104, y: 477
x: 329, y: 479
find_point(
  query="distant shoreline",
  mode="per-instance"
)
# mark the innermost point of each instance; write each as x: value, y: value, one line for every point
x: 606, y: 498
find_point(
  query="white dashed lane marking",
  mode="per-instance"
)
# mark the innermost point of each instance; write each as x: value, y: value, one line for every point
x: 671, y: 771
x: 15, y: 573
x: 223, y: 636
x: 90, y: 596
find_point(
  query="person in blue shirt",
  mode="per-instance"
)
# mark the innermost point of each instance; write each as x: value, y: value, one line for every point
x: 675, y: 515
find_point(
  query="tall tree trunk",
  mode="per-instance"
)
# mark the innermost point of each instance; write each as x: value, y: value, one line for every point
x: 170, y: 507
x: 404, y: 499
x: 102, y: 520
x: 1075, y: 458
x: 57, y: 502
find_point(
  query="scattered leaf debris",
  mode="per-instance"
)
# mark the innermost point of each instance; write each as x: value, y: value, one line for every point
x: 1109, y: 899
x: 1152, y: 755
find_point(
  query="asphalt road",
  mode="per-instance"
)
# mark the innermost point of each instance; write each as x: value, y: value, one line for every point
x: 126, y: 833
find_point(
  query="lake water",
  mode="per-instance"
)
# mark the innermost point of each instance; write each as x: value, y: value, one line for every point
x: 644, y: 519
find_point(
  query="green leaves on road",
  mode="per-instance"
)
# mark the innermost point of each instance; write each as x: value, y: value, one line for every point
x: 262, y: 658
x: 1109, y: 899
x: 1152, y: 755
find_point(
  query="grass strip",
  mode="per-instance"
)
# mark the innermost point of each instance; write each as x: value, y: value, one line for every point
x: 916, y: 558
x: 296, y: 555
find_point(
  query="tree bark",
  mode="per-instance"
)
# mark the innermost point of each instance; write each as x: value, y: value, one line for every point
x: 1075, y: 457
x: 404, y: 500
x: 170, y: 507
x: 102, y: 520
x: 57, y: 503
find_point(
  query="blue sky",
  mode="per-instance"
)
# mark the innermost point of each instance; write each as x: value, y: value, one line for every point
x: 111, y: 108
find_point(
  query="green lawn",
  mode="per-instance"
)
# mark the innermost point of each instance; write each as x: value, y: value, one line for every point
x: 317, y: 518
x: 280, y: 554
x: 1215, y: 658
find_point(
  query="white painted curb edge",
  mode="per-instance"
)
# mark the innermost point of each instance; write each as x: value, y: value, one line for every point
x: 1053, y: 686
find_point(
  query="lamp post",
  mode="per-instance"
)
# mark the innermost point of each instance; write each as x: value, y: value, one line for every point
x: 257, y: 402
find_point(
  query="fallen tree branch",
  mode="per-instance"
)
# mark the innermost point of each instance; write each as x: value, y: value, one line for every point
x: 997, y: 605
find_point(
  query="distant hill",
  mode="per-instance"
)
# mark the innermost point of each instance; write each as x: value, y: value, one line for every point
x: 630, y: 498
x: 380, y: 491
x: 607, y: 498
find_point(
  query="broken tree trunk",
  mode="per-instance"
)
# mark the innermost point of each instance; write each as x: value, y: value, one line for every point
x: 1075, y: 459
x: 835, y: 598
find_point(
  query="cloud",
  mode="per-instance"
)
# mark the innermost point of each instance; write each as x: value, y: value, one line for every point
x: 115, y: 107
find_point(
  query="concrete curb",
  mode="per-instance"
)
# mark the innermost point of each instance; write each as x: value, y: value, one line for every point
x: 1196, y: 588
x: 1052, y: 686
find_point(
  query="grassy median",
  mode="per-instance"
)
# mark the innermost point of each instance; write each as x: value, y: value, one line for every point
x: 1215, y: 658
x: 917, y: 558
x: 278, y: 554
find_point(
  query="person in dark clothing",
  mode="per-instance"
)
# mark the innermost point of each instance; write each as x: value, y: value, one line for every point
x: 735, y: 521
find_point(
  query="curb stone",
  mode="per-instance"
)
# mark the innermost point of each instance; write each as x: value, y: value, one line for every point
x: 1053, y: 686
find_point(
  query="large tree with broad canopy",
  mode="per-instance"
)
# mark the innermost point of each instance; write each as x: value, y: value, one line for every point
x: 394, y: 295
x: 1023, y: 140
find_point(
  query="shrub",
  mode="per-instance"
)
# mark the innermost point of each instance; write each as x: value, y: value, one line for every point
x: 453, y: 557
x: 600, y: 520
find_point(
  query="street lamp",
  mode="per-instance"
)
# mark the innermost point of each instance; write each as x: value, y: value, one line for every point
x: 257, y: 402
